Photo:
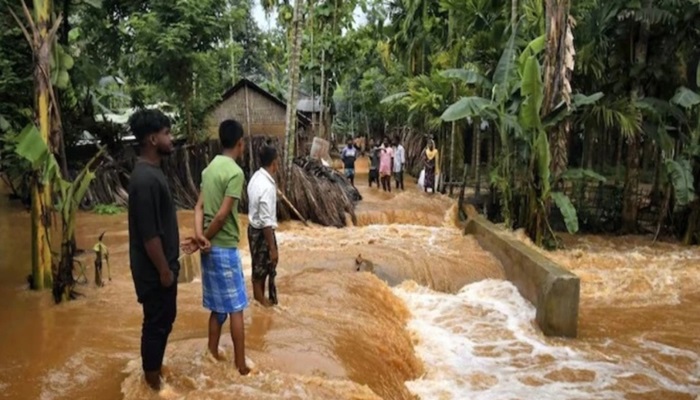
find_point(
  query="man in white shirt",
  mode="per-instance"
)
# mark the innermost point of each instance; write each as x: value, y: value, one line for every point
x: 399, y: 162
x: 262, y: 213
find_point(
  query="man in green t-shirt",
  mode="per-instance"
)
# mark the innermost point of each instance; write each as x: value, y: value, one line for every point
x: 217, y: 231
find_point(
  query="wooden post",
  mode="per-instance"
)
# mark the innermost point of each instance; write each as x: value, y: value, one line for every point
x: 251, y: 162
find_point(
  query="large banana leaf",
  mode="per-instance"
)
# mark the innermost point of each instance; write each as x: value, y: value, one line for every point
x: 531, y: 89
x: 681, y: 175
x: 544, y: 159
x: 580, y: 100
x: 533, y: 48
x: 466, y: 107
x: 567, y: 210
x: 686, y: 98
x: 468, y: 76
x: 31, y: 147
x: 582, y: 174
x: 505, y: 73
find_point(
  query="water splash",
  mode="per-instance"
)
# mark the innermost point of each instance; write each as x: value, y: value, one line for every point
x: 481, y: 344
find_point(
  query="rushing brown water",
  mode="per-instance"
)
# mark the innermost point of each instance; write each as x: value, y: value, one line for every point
x: 451, y: 329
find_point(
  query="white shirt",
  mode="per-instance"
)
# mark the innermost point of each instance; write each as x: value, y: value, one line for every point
x: 262, y: 200
x: 399, y: 158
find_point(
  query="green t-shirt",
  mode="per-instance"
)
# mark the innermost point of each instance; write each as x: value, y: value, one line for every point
x: 222, y: 178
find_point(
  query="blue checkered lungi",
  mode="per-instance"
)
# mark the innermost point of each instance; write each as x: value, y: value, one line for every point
x: 223, y: 284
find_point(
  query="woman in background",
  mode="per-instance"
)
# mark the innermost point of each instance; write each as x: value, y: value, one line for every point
x: 431, y: 166
x: 386, y: 160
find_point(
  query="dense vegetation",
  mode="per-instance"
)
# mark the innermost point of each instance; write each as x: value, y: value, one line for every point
x: 550, y: 106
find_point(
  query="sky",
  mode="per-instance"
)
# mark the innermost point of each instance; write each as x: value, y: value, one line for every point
x: 266, y: 23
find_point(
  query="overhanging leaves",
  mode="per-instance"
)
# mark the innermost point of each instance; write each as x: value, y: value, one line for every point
x: 466, y: 107
x: 681, y: 176
x: 469, y: 77
x: 31, y: 147
x: 686, y: 98
x: 567, y: 210
x: 394, y: 97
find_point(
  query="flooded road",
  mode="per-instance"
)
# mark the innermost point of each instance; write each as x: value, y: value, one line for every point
x: 434, y: 320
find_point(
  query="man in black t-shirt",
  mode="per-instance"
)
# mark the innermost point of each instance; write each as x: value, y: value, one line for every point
x: 153, y: 239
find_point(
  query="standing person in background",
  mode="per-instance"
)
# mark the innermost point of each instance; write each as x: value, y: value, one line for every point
x: 399, y: 162
x: 430, y: 163
x: 153, y: 239
x: 262, y: 213
x: 386, y: 161
x: 349, y: 155
x: 373, y: 163
x: 216, y: 222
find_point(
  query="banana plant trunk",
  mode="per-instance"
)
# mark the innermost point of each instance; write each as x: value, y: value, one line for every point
x: 42, y: 260
x: 291, y: 117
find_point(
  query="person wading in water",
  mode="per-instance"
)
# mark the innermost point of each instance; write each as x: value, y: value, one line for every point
x: 430, y: 163
x: 349, y: 155
x: 399, y: 162
x: 386, y: 161
x: 216, y: 220
x: 153, y: 239
x: 262, y: 214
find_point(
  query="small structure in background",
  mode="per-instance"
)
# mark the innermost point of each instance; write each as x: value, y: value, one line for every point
x: 260, y: 112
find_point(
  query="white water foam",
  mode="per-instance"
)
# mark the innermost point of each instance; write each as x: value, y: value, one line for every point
x: 481, y: 343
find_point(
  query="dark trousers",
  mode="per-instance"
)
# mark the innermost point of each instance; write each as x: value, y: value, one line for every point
x: 373, y: 177
x: 159, y: 311
x: 399, y: 179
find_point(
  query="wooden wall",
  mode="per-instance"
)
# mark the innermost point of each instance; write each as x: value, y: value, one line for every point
x: 267, y: 117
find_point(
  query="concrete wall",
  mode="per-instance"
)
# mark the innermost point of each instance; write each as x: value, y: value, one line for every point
x: 553, y: 290
x: 266, y: 117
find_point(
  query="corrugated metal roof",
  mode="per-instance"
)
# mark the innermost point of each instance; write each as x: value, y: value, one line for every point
x: 307, y: 106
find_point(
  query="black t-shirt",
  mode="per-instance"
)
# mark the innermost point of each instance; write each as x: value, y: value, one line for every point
x: 151, y: 214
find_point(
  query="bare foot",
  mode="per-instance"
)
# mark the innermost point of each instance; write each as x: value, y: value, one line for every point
x: 264, y: 302
x: 214, y: 355
x: 244, y: 370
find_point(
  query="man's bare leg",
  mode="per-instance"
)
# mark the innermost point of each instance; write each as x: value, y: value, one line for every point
x: 214, y: 335
x: 259, y: 293
x: 238, y: 337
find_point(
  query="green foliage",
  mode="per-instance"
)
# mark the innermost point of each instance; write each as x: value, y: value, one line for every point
x: 686, y: 98
x: 466, y: 107
x: 567, y: 210
x: 31, y: 147
x: 580, y: 174
x: 681, y: 174
x: 108, y: 209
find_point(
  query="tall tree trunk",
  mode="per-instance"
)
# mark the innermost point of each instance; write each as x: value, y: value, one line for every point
x: 558, y: 67
x: 251, y: 159
x: 41, y: 39
x: 618, y: 159
x: 629, y: 204
x: 513, y: 14
x: 313, y: 72
x: 321, y: 127
x: 477, y: 156
x: 291, y: 117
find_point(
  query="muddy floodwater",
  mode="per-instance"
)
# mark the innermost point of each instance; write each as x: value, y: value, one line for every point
x: 435, y: 320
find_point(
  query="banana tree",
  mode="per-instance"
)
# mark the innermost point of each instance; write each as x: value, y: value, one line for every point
x: 515, y: 107
x: 69, y: 195
x: 680, y: 172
